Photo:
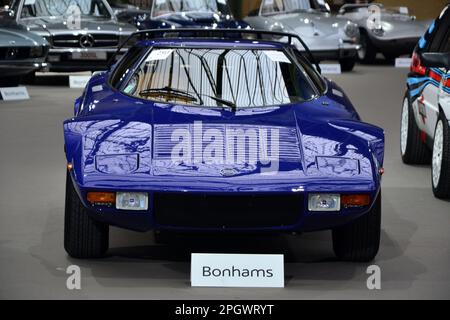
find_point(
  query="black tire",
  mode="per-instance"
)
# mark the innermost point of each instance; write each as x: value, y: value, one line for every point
x: 84, y: 238
x: 161, y: 237
x: 12, y: 81
x: 359, y: 240
x: 415, y: 151
x: 390, y: 57
x: 30, y: 78
x: 368, y: 53
x: 347, y: 64
x: 442, y: 188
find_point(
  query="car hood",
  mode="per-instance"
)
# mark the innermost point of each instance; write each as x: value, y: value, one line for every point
x: 199, y: 19
x: 19, y: 38
x: 404, y: 26
x: 291, y: 143
x: 55, y: 26
x: 311, y: 23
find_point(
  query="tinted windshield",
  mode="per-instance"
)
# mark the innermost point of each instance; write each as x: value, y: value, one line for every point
x: 275, y: 6
x: 161, y: 7
x: 219, y: 78
x: 58, y: 8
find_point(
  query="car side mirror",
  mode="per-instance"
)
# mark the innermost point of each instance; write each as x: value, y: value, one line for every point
x: 436, y: 60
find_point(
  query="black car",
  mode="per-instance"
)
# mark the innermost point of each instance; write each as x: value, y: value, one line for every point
x: 21, y: 52
x: 83, y: 34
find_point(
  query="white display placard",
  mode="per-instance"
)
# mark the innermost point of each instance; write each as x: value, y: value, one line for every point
x: 14, y: 93
x: 331, y: 68
x: 159, y: 54
x: 277, y: 56
x: 237, y: 270
x: 78, y: 81
x: 403, y: 62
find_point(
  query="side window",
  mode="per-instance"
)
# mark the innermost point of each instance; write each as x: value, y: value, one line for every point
x: 318, y: 81
x: 133, y: 54
x: 440, y: 34
x: 445, y: 46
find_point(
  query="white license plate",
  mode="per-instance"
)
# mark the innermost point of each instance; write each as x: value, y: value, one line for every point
x: 89, y: 55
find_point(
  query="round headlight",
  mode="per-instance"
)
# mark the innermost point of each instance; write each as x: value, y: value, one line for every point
x: 351, y: 30
x: 36, y: 51
x: 378, y: 31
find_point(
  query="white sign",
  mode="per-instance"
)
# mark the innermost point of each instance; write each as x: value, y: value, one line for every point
x: 331, y: 68
x: 237, y: 270
x: 402, y: 62
x: 89, y: 55
x: 78, y: 81
x: 159, y: 54
x: 403, y: 10
x: 14, y: 93
x: 277, y: 56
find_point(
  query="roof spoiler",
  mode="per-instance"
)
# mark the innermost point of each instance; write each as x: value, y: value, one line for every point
x: 196, y: 33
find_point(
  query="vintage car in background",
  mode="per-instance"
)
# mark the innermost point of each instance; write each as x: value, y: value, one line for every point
x: 208, y: 133
x: 181, y: 13
x: 83, y: 34
x: 328, y: 37
x: 425, y: 124
x: 21, y: 52
x: 393, y: 32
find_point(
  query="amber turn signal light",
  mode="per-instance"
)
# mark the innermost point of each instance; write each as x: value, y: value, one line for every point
x: 355, y: 200
x: 105, y: 198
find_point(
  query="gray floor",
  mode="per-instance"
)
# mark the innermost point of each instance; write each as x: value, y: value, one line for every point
x: 414, y: 256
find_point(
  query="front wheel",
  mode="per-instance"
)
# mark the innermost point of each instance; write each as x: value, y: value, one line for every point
x: 347, y: 64
x: 412, y: 149
x: 359, y: 240
x: 84, y: 238
x: 440, y: 170
x: 367, y: 52
x: 12, y: 81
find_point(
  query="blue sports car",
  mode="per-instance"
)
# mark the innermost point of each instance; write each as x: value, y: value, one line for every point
x: 194, y: 131
x: 168, y: 14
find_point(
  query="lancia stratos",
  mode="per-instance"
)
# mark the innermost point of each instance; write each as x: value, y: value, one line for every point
x: 220, y: 131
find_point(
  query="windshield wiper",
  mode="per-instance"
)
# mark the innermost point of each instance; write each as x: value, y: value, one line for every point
x: 227, y: 103
x: 169, y: 90
x: 187, y: 95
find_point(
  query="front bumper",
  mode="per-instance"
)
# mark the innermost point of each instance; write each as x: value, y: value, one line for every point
x: 395, y: 46
x: 69, y: 60
x: 344, y: 52
x: 193, y: 211
x: 11, y: 68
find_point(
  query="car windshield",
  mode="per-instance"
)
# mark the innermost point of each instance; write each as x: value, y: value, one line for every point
x: 227, y: 78
x: 63, y: 8
x: 162, y: 7
x: 277, y: 6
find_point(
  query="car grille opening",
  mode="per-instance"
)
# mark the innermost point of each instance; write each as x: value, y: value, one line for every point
x: 14, y: 53
x: 96, y: 40
x: 202, y: 210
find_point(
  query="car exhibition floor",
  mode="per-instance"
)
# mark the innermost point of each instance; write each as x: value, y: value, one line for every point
x: 414, y: 256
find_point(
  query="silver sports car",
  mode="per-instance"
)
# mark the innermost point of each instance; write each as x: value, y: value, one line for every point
x: 392, y: 32
x: 327, y: 36
x: 83, y: 34
x: 21, y: 52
